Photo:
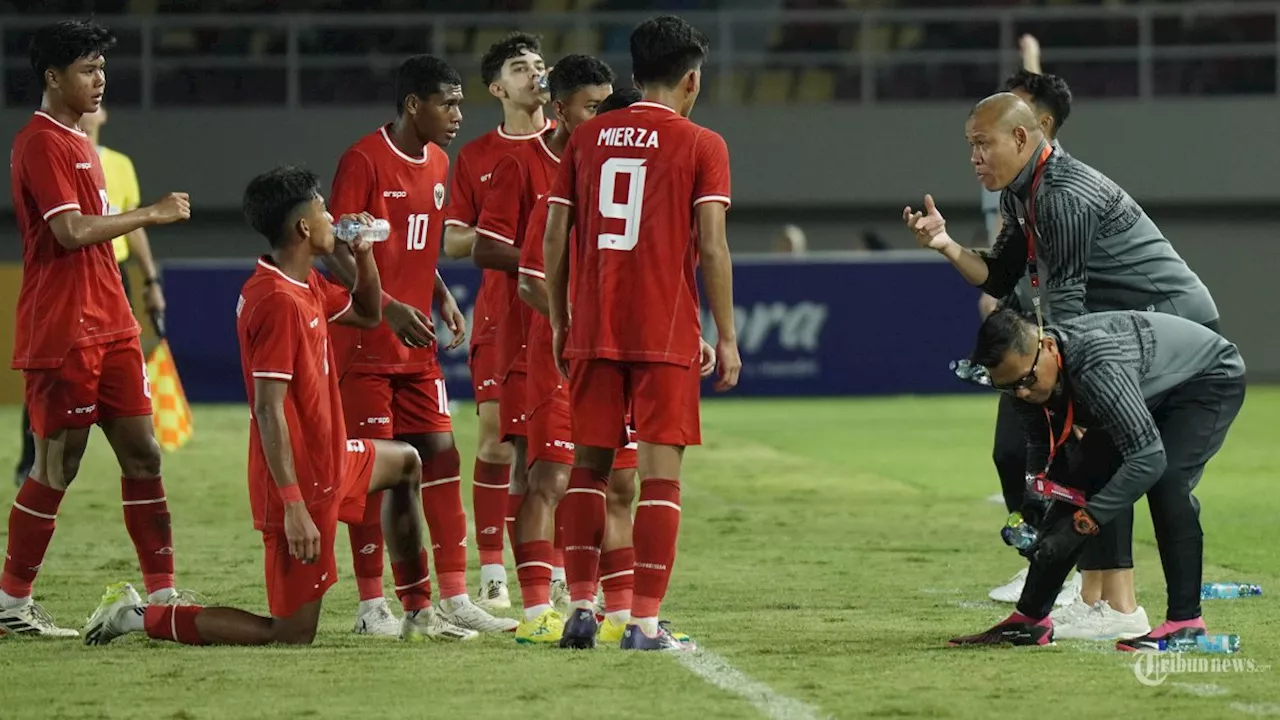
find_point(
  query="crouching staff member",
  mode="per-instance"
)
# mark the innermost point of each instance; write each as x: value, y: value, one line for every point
x: 1158, y: 394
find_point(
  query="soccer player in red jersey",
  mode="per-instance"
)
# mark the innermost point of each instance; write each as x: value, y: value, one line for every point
x: 304, y: 474
x: 76, y: 340
x: 391, y: 382
x: 640, y: 185
x: 511, y: 68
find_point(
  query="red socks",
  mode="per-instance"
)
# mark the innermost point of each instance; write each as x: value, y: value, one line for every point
x: 367, y: 549
x: 446, y: 520
x: 174, y: 623
x: 514, y: 503
x: 617, y: 575
x: 413, y: 585
x: 583, y: 512
x: 489, y: 490
x: 656, y: 526
x: 31, y: 524
x: 533, y: 567
x: 146, y: 516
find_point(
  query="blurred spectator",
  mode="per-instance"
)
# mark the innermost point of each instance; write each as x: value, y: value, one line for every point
x: 791, y: 240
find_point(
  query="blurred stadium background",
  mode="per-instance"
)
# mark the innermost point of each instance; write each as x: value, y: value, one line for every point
x: 837, y: 113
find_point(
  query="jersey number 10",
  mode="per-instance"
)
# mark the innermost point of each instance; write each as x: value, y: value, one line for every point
x: 629, y: 211
x: 417, y: 235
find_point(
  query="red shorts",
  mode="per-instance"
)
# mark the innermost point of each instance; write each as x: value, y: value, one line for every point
x: 484, y: 374
x: 511, y: 405
x: 550, y: 434
x: 382, y: 406
x: 663, y: 400
x: 94, y: 383
x: 292, y: 584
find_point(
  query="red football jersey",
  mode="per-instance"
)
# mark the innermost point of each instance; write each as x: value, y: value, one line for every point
x: 468, y: 189
x: 544, y: 377
x: 69, y: 298
x: 519, y: 182
x: 375, y: 177
x: 283, y: 327
x: 634, y: 177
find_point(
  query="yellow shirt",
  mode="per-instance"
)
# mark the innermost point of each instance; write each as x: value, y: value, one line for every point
x: 123, y: 193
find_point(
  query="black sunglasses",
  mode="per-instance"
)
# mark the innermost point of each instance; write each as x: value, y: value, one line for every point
x: 978, y: 375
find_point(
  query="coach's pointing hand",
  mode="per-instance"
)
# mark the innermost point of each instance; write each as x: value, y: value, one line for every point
x: 929, y: 226
x: 300, y: 530
x: 171, y: 208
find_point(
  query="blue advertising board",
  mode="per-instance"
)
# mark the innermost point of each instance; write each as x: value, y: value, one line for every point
x: 848, y: 324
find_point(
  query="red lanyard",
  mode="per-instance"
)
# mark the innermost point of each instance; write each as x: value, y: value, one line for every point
x: 1036, y: 177
x: 1066, y: 426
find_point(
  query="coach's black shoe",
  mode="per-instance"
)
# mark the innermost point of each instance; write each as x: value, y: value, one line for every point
x: 633, y: 638
x: 1014, y: 630
x: 580, y: 630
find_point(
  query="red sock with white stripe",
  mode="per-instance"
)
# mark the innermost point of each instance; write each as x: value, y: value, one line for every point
x: 367, y: 549
x: 489, y: 488
x: 413, y: 585
x: 446, y: 521
x: 617, y: 576
x: 657, y: 525
x: 583, y: 512
x: 31, y: 523
x: 146, y: 517
x: 533, y: 568
x: 175, y: 623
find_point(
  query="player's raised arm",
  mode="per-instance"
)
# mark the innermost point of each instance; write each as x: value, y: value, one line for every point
x: 495, y: 244
x: 365, y: 310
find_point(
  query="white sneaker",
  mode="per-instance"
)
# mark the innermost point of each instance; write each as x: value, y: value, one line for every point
x: 375, y: 618
x: 493, y: 595
x: 32, y: 619
x: 465, y: 614
x: 1070, y: 614
x: 1070, y: 592
x: 108, y: 621
x: 429, y: 624
x: 1102, y: 622
x: 560, y: 595
x: 1011, y: 591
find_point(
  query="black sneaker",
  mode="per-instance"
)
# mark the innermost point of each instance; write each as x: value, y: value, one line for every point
x: 1010, y: 632
x: 580, y: 630
x: 1152, y: 642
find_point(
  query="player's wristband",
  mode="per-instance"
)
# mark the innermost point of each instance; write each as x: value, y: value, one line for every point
x: 152, y: 281
x: 290, y: 493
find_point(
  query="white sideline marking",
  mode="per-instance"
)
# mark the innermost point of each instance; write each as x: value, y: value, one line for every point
x: 1256, y: 708
x: 1202, y: 689
x: 717, y: 671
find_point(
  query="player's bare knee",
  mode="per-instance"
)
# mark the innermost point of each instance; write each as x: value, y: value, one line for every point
x: 549, y: 483
x: 141, y: 460
x: 622, y: 489
x: 297, y: 629
x: 411, y: 466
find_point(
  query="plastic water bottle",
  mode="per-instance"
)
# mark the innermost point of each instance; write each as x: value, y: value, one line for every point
x: 1222, y: 591
x: 1222, y: 644
x: 1018, y: 533
x: 348, y: 229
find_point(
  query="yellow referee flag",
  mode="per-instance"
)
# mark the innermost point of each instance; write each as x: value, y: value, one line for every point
x: 172, y: 414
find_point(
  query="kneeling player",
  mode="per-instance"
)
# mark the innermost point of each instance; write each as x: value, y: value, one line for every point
x: 304, y: 474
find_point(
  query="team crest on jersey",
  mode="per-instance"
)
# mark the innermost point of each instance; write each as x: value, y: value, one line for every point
x: 439, y: 193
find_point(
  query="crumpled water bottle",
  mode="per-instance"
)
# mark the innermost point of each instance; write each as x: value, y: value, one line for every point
x: 348, y: 229
x: 971, y: 373
x: 1223, y: 591
x: 1202, y: 643
x: 1018, y: 533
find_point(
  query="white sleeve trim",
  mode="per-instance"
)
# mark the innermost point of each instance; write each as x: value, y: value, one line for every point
x: 532, y: 273
x: 61, y: 209
x: 495, y: 236
x: 559, y: 200
x: 343, y: 311
x: 267, y: 375
x: 455, y: 223
x: 712, y: 198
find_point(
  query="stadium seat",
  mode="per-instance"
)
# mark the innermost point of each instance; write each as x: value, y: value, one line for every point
x: 773, y: 87
x: 816, y: 85
x: 581, y: 40
x: 456, y: 40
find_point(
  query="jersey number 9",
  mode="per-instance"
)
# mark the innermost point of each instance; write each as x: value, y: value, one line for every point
x: 629, y: 211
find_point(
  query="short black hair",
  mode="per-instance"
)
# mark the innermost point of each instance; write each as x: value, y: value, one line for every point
x: 513, y: 45
x: 423, y: 75
x: 577, y: 71
x: 273, y: 196
x: 66, y: 41
x: 1049, y: 93
x: 623, y: 97
x: 1004, y: 330
x: 664, y: 48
